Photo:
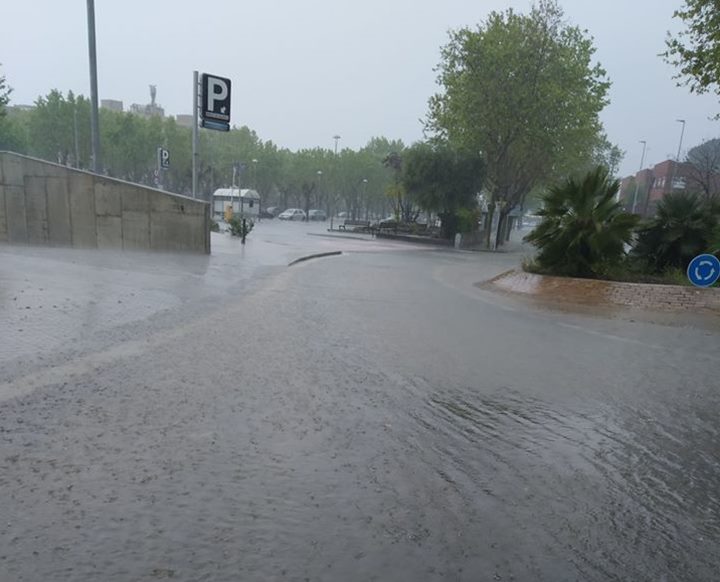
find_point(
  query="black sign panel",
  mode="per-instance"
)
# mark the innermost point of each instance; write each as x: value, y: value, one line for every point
x: 215, y: 105
x: 163, y: 158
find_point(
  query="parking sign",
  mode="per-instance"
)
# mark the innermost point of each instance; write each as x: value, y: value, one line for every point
x: 163, y: 158
x: 215, y: 105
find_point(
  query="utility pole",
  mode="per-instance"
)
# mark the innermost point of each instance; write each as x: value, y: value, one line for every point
x: 94, y: 118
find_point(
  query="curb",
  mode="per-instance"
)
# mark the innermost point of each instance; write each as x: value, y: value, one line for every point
x: 315, y: 256
x: 600, y: 293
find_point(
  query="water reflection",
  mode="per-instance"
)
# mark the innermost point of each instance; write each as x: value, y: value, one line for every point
x: 632, y: 493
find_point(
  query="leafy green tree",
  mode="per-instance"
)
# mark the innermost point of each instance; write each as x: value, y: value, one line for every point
x: 11, y: 135
x: 583, y: 231
x: 682, y: 228
x: 696, y: 51
x: 443, y: 181
x: 523, y: 91
x: 4, y: 96
x: 59, y: 126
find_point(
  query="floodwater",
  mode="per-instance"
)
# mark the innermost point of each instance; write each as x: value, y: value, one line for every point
x: 371, y: 416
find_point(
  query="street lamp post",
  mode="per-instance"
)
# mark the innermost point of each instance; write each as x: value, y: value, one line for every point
x: 365, y: 201
x: 94, y: 117
x: 637, y: 183
x: 677, y: 158
x: 319, y: 175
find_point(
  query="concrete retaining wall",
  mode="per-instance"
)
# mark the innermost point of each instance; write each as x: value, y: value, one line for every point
x: 594, y: 292
x: 48, y: 204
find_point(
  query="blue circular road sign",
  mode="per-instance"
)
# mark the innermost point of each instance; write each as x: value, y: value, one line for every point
x: 704, y: 270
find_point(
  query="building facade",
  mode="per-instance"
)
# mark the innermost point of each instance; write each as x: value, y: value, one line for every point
x: 642, y: 192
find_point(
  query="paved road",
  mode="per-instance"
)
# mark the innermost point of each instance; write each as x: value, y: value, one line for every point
x: 372, y: 416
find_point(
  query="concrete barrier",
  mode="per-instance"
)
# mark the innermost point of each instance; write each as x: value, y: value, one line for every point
x: 48, y: 204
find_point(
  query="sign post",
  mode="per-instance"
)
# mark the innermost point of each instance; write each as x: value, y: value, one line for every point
x: 196, y: 89
x: 163, y: 163
x: 211, y: 103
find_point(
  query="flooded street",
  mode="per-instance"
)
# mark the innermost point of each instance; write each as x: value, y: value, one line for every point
x: 371, y: 416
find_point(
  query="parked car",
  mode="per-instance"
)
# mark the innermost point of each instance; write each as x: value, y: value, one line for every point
x: 274, y: 210
x: 343, y: 215
x: 317, y: 215
x: 292, y: 214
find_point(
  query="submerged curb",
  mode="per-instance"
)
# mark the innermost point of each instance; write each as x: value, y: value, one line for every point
x: 315, y: 256
x: 606, y: 293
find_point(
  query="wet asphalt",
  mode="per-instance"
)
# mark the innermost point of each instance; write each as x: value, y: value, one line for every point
x: 369, y: 416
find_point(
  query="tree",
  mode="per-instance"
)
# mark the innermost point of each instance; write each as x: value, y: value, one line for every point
x: 4, y: 96
x: 583, y: 231
x: 696, y: 51
x: 442, y: 180
x: 681, y: 229
x: 522, y: 90
x: 702, y: 168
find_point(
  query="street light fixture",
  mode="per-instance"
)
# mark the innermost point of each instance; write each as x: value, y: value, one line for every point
x: 637, y: 183
x: 677, y: 158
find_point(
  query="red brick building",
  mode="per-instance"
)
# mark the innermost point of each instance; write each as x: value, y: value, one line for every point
x: 653, y: 184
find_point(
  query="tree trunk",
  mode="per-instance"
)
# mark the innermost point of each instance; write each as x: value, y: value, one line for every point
x: 502, y: 225
x: 488, y: 224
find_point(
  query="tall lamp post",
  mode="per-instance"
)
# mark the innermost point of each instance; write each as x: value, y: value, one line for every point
x: 365, y: 201
x: 94, y: 117
x: 677, y: 158
x: 319, y: 175
x: 637, y: 183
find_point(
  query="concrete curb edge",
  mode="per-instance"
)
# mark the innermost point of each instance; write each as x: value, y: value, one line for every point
x: 315, y: 256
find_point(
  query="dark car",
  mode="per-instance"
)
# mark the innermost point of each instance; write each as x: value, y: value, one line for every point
x: 317, y: 215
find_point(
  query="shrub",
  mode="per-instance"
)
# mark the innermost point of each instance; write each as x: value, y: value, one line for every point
x: 682, y: 228
x: 240, y: 226
x: 467, y: 220
x: 583, y: 231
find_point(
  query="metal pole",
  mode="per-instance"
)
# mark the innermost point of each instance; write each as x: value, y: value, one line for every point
x: 195, y: 135
x: 677, y: 158
x: 637, y: 183
x: 75, y: 127
x: 94, y: 119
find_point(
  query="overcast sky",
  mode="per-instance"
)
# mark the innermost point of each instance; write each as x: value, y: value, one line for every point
x: 305, y: 71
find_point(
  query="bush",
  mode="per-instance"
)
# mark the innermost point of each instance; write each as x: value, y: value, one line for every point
x: 467, y: 220
x: 682, y: 228
x: 583, y: 231
x: 240, y: 226
x: 214, y: 226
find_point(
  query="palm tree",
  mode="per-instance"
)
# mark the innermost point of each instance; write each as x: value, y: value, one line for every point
x: 681, y: 229
x: 583, y: 231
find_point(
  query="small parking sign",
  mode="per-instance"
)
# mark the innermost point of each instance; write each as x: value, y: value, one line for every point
x: 163, y: 158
